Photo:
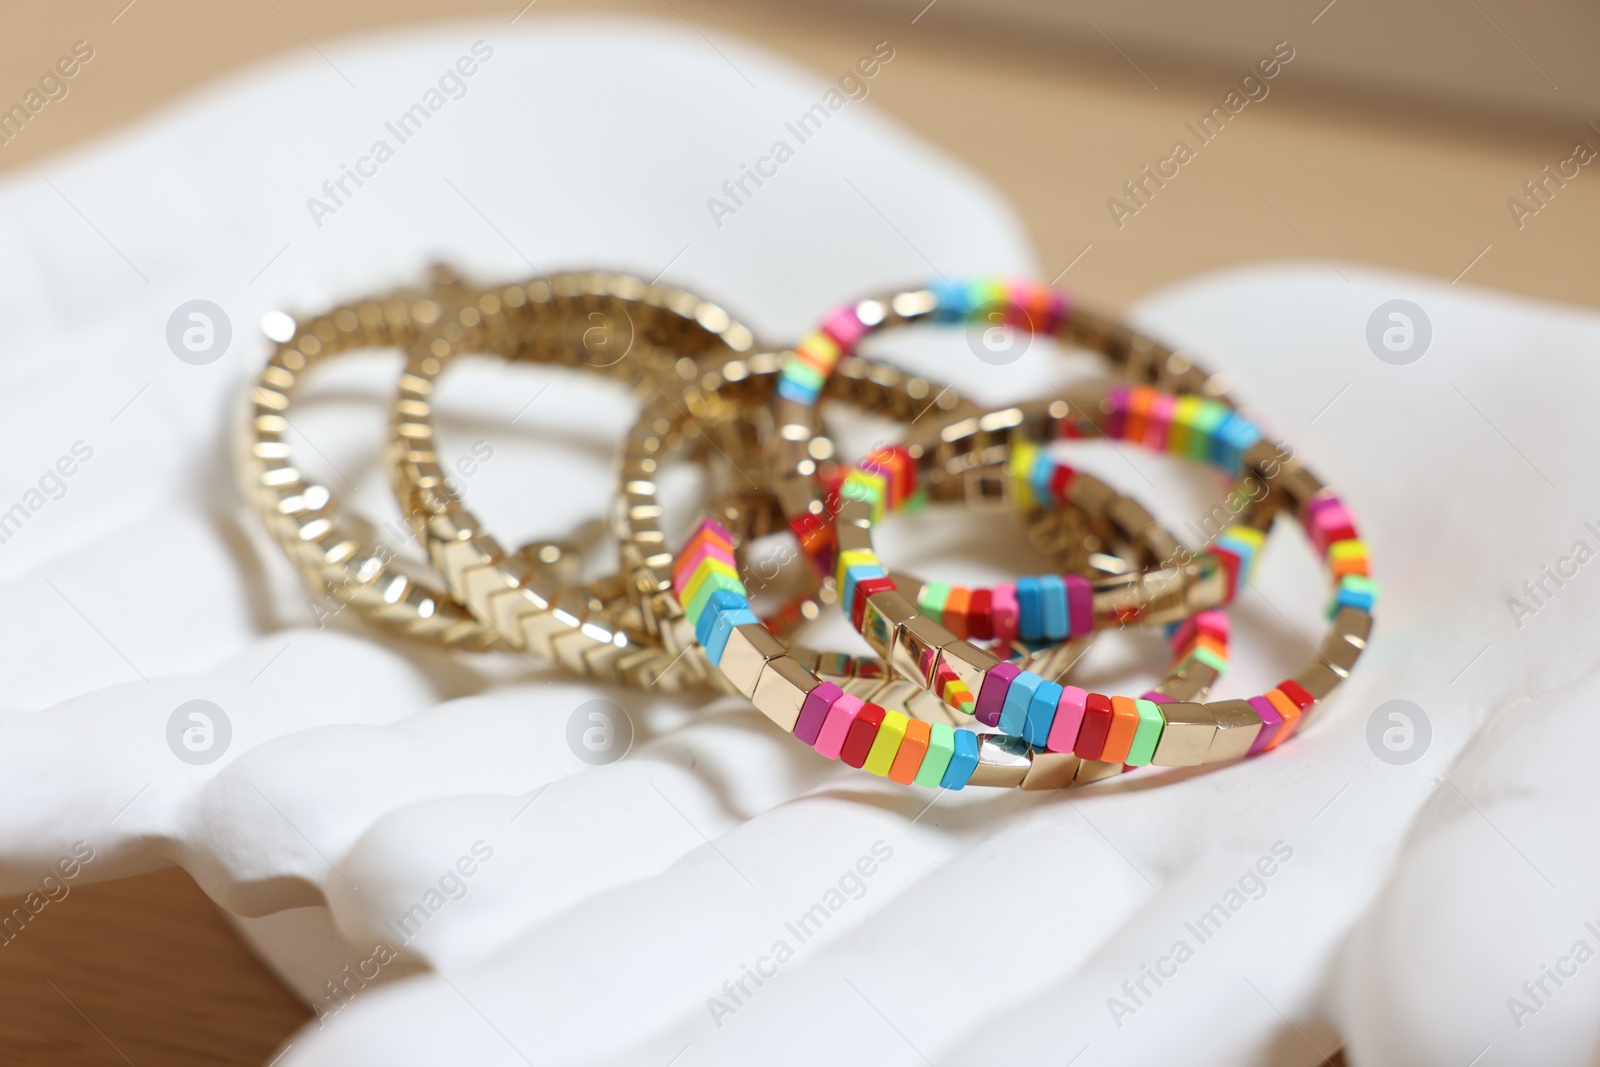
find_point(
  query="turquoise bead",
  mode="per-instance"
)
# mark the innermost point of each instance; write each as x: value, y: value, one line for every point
x: 962, y: 762
x: 1041, y: 714
x: 1014, y: 712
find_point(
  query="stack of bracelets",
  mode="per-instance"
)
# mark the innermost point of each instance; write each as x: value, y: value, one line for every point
x: 954, y: 685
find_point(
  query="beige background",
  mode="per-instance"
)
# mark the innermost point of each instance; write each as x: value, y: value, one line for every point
x: 1383, y: 171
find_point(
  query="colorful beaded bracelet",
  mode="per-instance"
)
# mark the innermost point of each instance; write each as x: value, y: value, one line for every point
x: 723, y: 398
x: 730, y: 392
x: 792, y: 688
x: 1020, y: 304
x: 1116, y: 733
x: 1086, y: 736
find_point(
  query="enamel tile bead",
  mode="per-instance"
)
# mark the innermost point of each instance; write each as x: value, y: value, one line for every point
x: 815, y: 711
x: 1042, y: 714
x: 886, y: 745
x: 1147, y: 736
x: 1096, y: 725
x: 1124, y: 724
x: 963, y: 760
x: 1019, y: 696
x: 941, y: 750
x: 841, y: 717
x: 911, y: 753
x: 1068, y: 719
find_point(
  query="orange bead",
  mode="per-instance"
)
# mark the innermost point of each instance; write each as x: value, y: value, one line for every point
x: 1124, y: 724
x: 1291, y: 716
x: 956, y: 608
x: 913, y: 748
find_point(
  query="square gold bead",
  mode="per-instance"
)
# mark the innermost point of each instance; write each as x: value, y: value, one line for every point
x: 1191, y: 684
x: 1163, y: 592
x: 1051, y: 770
x: 1337, y: 652
x: 1002, y: 761
x: 969, y: 662
x: 781, y: 691
x: 853, y: 538
x: 1237, y: 726
x: 749, y: 648
x: 1300, y: 485
x: 1187, y: 736
x: 1354, y: 625
x: 1319, y: 680
x: 882, y: 617
x: 855, y: 513
x: 1093, y: 770
x: 917, y: 645
x: 1207, y: 584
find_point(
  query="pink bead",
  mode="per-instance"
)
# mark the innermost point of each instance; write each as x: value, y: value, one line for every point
x: 1022, y: 295
x: 1154, y: 697
x: 992, y: 697
x: 1080, y: 604
x: 1159, y: 421
x: 1271, y: 723
x: 843, y: 326
x: 1003, y: 612
x: 1069, y: 716
x: 830, y: 739
x: 1117, y: 418
x: 1329, y: 524
x: 814, y: 711
x: 1321, y: 501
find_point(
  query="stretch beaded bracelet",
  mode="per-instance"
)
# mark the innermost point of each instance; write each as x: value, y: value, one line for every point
x: 1093, y: 737
x: 1018, y: 303
x: 1113, y: 733
x: 339, y: 553
x: 663, y: 430
x: 528, y: 322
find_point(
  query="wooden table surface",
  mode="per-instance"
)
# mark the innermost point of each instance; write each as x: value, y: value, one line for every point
x: 146, y: 971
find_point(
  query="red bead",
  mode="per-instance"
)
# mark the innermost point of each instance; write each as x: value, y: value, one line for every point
x: 865, y: 588
x: 1059, y: 481
x: 864, y: 731
x: 980, y: 615
x: 1297, y: 693
x: 1097, y: 716
x: 1230, y: 568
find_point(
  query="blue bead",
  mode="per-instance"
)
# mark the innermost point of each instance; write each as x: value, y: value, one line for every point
x: 716, y: 602
x: 1054, y: 598
x: 1014, y: 712
x: 951, y: 298
x: 1044, y: 470
x: 722, y: 629
x: 1030, y: 609
x: 1232, y: 439
x: 1354, y: 598
x: 963, y: 763
x: 1041, y: 713
x: 1246, y: 554
x: 797, y: 391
